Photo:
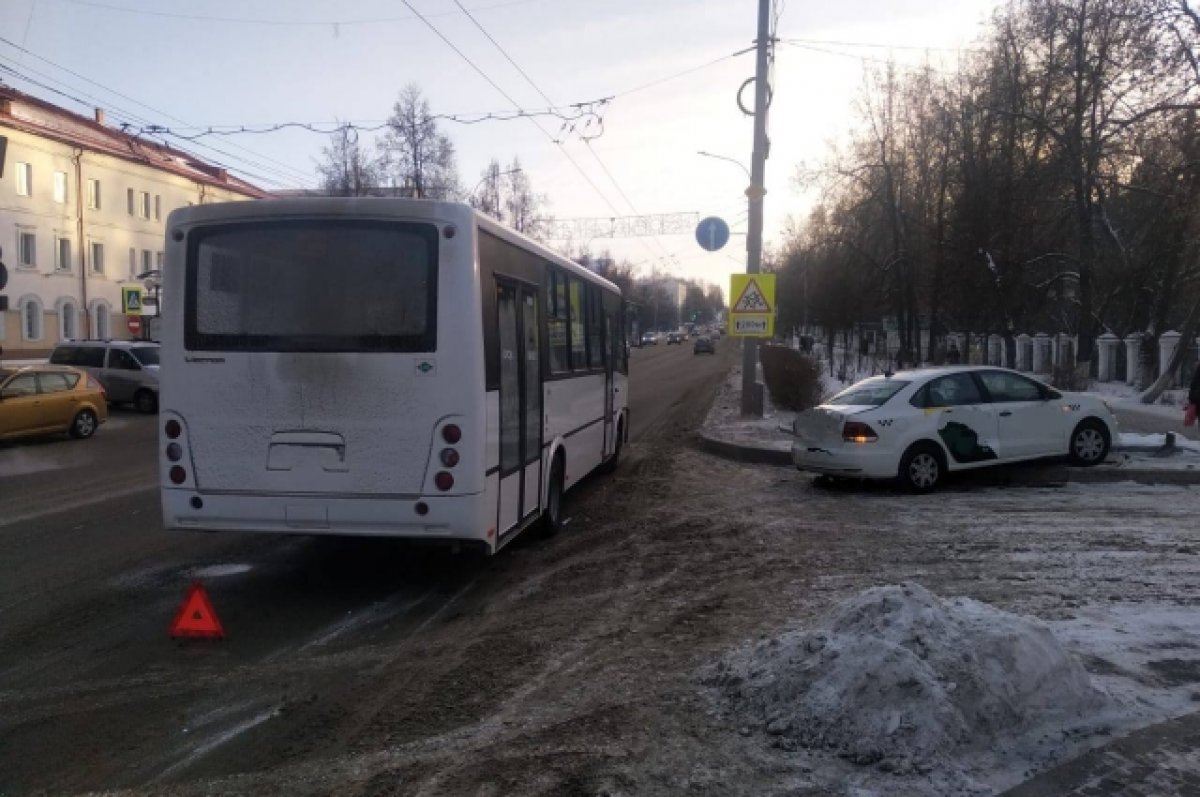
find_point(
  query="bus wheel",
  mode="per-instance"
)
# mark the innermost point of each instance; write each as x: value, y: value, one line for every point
x: 552, y: 516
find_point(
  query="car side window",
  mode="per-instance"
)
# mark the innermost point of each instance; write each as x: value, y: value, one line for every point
x: 122, y: 360
x: 1004, y: 387
x: 953, y: 390
x: 23, y: 385
x: 57, y: 382
x: 64, y: 355
x: 91, y: 357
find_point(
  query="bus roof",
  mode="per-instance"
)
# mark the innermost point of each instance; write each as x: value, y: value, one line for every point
x: 380, y: 207
x: 512, y: 236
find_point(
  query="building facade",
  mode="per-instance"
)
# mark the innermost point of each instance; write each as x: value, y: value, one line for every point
x: 83, y: 208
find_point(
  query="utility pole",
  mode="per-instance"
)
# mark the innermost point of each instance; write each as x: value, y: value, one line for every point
x: 752, y: 403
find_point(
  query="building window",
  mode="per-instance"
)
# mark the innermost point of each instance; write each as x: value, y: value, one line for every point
x: 93, y: 194
x: 147, y: 261
x: 145, y: 204
x: 26, y: 249
x: 129, y: 200
x: 67, y: 319
x: 62, y: 254
x: 60, y: 187
x: 97, y: 254
x: 101, y: 314
x: 31, y: 319
x: 24, y: 179
x: 157, y: 207
x: 158, y: 258
x: 132, y: 263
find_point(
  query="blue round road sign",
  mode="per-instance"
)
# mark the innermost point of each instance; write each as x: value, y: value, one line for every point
x: 712, y: 233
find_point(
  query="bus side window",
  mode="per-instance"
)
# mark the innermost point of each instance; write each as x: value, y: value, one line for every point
x: 556, y: 321
x: 595, y: 328
x: 578, y: 327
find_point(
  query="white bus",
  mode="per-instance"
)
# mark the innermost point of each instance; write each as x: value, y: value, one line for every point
x: 385, y: 367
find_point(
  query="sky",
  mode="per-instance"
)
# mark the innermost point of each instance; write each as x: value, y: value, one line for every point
x: 189, y: 64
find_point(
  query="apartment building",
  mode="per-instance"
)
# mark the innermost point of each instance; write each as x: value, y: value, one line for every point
x: 82, y: 213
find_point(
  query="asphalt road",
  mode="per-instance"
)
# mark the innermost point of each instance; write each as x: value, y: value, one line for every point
x: 93, y: 694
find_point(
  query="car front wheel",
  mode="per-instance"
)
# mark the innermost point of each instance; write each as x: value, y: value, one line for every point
x: 84, y: 424
x: 1089, y: 443
x: 921, y: 468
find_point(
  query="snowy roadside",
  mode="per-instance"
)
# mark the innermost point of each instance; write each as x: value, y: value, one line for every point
x: 726, y: 424
x: 970, y: 639
x: 1139, y: 454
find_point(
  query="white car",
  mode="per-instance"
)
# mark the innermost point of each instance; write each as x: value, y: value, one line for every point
x: 917, y: 425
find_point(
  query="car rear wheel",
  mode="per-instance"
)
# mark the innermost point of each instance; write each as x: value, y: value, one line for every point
x: 921, y: 468
x: 1089, y: 443
x: 84, y: 424
x: 145, y: 401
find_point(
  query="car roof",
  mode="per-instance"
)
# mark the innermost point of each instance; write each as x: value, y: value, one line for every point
x: 6, y: 372
x: 127, y: 344
x: 929, y: 371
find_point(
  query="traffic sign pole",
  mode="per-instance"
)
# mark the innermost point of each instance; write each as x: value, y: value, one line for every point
x: 751, y: 395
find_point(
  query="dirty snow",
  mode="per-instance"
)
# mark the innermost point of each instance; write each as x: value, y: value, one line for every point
x: 903, y: 680
x: 772, y: 431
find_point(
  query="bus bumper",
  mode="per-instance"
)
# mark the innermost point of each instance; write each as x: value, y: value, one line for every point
x: 450, y: 518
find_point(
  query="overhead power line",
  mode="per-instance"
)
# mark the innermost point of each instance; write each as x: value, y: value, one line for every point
x: 281, y: 22
x: 878, y: 45
x: 551, y: 102
x: 279, y: 166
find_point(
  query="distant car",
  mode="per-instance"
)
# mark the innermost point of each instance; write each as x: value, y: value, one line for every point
x: 128, y: 369
x: 915, y: 426
x: 649, y: 339
x: 674, y: 338
x: 48, y: 399
x: 704, y: 345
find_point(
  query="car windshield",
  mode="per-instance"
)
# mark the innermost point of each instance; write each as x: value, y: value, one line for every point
x: 146, y: 355
x: 872, y: 392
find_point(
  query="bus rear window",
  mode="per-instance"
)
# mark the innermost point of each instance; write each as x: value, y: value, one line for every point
x: 312, y: 285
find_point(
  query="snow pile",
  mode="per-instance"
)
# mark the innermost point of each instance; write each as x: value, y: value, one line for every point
x: 902, y: 677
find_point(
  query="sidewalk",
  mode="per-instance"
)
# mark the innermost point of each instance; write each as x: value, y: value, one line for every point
x: 1137, y: 457
x: 1162, y: 760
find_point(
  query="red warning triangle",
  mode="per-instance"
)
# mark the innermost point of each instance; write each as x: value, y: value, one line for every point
x: 196, y: 617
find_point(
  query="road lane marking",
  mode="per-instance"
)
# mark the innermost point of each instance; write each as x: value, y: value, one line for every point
x: 215, y: 742
x: 71, y: 506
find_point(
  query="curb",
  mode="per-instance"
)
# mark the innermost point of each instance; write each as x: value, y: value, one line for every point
x: 753, y: 455
x: 1035, y: 474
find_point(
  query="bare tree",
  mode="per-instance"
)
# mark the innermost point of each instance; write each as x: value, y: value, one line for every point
x: 523, y: 206
x: 349, y: 167
x: 421, y: 157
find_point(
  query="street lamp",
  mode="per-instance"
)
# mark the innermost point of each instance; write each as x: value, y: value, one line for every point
x: 491, y: 177
x: 734, y: 161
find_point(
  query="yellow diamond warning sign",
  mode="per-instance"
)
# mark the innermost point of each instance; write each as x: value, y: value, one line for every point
x: 752, y: 313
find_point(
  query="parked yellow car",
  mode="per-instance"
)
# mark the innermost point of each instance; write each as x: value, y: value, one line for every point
x: 45, y: 399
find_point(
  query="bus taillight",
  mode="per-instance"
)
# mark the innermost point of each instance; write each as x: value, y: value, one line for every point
x: 449, y: 457
x: 443, y: 480
x: 178, y: 474
x: 173, y: 429
x: 451, y: 433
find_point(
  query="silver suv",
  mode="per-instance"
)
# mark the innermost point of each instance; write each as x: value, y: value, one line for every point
x: 128, y: 369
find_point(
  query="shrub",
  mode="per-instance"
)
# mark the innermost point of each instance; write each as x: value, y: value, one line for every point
x: 793, y: 379
x: 1069, y: 378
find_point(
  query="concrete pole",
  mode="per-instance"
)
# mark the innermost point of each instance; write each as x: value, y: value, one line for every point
x: 751, y: 397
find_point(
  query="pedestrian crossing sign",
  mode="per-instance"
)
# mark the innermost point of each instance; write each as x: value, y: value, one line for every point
x: 131, y: 300
x: 752, y: 313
